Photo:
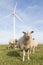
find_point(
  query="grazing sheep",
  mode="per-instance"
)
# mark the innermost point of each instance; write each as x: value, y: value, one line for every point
x: 12, y: 43
x: 25, y: 43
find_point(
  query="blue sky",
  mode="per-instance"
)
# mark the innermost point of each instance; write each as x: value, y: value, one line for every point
x: 31, y: 13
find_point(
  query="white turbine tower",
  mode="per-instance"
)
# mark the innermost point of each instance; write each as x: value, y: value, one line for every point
x: 14, y: 21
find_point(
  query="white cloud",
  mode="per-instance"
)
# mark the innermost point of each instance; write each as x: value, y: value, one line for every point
x: 39, y: 21
x: 33, y: 7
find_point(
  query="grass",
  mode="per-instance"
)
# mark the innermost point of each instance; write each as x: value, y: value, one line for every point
x: 12, y: 57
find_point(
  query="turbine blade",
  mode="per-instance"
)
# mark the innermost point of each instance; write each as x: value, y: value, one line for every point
x: 5, y: 16
x: 18, y: 17
x: 15, y: 7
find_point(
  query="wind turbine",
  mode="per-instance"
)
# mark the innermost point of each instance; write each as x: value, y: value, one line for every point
x: 14, y: 21
x: 14, y: 16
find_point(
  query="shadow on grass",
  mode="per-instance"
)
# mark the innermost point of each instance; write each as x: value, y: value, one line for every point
x: 13, y: 53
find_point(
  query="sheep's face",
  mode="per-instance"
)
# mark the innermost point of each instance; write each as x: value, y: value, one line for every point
x: 27, y: 35
x: 16, y: 40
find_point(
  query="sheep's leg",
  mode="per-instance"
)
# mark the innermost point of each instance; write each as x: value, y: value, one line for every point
x: 9, y: 46
x: 28, y: 55
x: 23, y: 55
x: 33, y: 50
x: 30, y: 50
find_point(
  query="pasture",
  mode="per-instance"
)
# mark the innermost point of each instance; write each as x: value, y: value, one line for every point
x: 12, y: 56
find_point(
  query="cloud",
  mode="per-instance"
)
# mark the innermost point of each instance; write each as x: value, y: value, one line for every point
x: 33, y: 7
x: 39, y: 21
x: 34, y: 18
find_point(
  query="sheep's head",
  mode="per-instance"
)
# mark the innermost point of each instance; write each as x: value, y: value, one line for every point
x: 16, y: 40
x: 28, y: 35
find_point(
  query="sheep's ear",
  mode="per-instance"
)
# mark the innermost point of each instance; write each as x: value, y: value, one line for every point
x: 32, y: 31
x: 24, y: 32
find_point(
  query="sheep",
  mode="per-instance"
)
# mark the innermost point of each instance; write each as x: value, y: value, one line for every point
x: 33, y: 45
x: 25, y: 43
x: 12, y: 43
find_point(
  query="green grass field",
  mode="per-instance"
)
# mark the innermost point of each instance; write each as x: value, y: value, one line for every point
x: 12, y: 57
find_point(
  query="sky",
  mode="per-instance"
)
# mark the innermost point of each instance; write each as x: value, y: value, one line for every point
x: 30, y: 18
